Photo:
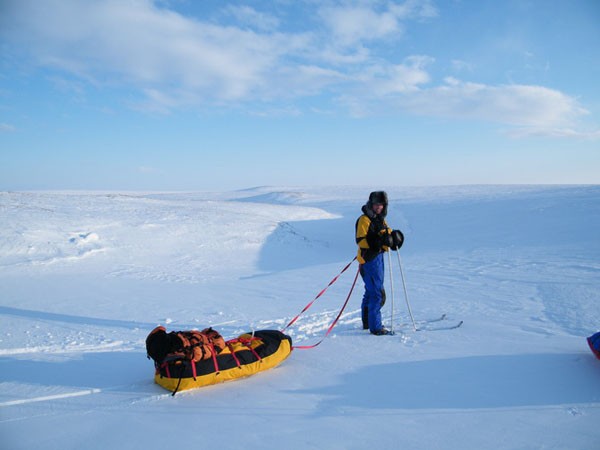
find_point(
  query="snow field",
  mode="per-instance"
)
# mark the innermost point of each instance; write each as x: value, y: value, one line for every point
x: 85, y: 276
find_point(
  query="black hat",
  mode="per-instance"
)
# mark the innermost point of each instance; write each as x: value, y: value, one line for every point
x: 378, y: 197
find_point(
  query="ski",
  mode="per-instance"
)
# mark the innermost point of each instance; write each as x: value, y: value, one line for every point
x: 438, y: 319
x: 442, y: 327
x: 426, y: 324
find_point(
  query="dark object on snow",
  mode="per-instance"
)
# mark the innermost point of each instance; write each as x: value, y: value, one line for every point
x: 594, y: 343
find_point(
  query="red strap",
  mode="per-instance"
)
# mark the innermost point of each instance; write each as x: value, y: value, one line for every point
x: 318, y: 295
x: 247, y: 343
x: 305, y: 347
x: 230, y: 347
x: 193, y: 363
x: 214, y: 358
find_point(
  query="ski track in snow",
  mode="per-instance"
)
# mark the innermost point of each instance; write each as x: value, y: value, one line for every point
x: 86, y: 276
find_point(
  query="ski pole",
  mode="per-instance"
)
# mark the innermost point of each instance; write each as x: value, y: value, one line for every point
x: 392, y: 289
x: 406, y: 293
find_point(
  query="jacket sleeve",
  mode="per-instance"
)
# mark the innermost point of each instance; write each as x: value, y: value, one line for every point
x: 362, y: 228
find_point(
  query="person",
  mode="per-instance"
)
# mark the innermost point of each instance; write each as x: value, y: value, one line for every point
x: 374, y: 237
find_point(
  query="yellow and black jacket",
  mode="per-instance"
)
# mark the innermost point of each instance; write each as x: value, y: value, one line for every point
x: 370, y: 228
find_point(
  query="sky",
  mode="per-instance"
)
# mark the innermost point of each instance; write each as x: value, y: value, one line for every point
x: 218, y: 95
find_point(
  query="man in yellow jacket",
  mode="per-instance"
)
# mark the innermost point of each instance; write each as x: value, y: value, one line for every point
x: 374, y: 237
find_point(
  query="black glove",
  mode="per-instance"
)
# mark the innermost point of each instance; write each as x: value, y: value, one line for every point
x: 387, y: 240
x: 374, y: 242
x: 397, y: 239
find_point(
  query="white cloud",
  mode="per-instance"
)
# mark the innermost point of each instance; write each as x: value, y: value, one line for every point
x: 418, y: 9
x: 143, y: 45
x: 461, y: 66
x: 519, y: 105
x: 352, y: 24
x: 248, y: 16
x: 400, y: 78
x: 534, y: 110
x: 554, y: 133
x: 174, y: 62
x: 6, y: 128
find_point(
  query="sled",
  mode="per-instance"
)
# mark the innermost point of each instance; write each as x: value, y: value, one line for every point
x: 246, y: 355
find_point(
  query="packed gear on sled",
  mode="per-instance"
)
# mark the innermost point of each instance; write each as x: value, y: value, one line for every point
x: 190, y: 359
x: 192, y: 345
x: 594, y: 343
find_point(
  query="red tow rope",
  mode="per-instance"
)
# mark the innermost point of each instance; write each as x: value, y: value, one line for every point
x: 304, y: 347
x: 335, y: 321
x: 318, y: 295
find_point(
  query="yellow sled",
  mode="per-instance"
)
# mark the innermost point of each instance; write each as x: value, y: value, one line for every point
x: 241, y: 357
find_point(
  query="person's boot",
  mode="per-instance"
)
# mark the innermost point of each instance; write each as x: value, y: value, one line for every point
x: 381, y: 332
x: 365, y: 318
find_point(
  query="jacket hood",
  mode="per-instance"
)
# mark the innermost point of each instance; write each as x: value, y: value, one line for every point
x: 376, y: 197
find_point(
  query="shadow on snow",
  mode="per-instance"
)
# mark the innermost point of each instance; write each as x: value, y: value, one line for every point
x: 468, y: 383
x: 101, y: 370
x: 295, y: 245
x: 462, y: 224
x: 69, y: 318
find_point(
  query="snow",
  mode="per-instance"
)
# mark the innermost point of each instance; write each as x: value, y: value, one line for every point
x: 85, y: 276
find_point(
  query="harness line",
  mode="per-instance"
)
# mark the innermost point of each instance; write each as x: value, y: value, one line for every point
x: 318, y: 295
x: 335, y: 321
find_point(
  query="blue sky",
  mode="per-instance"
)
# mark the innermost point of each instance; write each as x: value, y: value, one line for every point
x: 215, y: 94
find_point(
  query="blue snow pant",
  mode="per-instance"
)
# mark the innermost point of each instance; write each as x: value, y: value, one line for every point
x: 372, y: 274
